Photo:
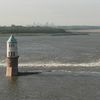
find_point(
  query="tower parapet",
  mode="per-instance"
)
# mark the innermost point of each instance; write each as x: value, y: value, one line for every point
x: 12, y: 57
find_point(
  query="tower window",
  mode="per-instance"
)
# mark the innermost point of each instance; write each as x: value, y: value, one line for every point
x: 11, y: 45
x: 13, y: 53
x: 9, y: 54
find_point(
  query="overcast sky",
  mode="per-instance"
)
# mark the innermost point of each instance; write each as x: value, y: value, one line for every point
x: 59, y: 12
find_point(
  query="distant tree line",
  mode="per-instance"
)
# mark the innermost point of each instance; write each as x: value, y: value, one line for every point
x: 76, y: 27
x: 30, y: 29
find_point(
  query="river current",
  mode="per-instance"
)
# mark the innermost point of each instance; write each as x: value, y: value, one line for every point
x: 38, y: 53
x: 75, y: 50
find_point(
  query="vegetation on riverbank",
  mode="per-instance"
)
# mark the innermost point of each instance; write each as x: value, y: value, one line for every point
x: 44, y: 30
x: 30, y: 29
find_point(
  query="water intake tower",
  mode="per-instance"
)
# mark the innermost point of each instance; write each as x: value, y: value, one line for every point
x: 12, y: 57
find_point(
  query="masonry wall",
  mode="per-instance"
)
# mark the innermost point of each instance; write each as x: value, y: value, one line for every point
x: 12, y: 66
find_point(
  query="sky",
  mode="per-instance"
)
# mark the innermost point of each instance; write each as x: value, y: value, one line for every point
x: 58, y: 12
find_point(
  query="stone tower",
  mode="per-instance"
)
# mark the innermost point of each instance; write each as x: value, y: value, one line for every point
x: 12, y: 57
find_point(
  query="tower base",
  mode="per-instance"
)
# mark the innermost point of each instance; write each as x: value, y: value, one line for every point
x: 12, y: 66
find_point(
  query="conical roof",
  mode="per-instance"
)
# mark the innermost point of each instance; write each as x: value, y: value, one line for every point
x: 12, y: 39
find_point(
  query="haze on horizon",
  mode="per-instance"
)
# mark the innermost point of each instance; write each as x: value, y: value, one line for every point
x: 59, y: 12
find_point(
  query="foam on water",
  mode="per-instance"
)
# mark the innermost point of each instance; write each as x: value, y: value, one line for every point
x: 61, y: 71
x: 2, y: 64
x: 78, y: 72
x: 92, y: 64
x: 56, y: 64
